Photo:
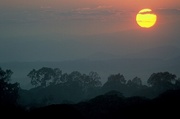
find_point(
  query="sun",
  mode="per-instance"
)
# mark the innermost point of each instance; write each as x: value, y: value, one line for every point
x: 146, y: 18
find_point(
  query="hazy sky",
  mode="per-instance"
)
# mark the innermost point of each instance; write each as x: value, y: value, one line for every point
x: 79, y: 3
x: 56, y: 30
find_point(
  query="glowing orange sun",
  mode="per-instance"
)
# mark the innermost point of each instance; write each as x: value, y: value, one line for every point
x: 146, y: 18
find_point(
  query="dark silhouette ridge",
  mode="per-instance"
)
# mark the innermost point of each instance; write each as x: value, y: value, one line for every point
x: 54, y: 111
x: 52, y: 86
x: 91, y: 99
x: 111, y: 106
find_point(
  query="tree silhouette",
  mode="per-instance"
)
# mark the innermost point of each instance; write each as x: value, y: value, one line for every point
x: 57, y: 76
x: 135, y: 82
x: 162, y: 80
x: 117, y: 78
x: 34, y: 77
x: 45, y: 76
x: 92, y: 80
x: 177, y: 83
x: 73, y: 87
x: 115, y: 82
x: 83, y: 84
x: 8, y: 91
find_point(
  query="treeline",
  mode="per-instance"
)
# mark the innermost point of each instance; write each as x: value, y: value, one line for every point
x: 52, y: 86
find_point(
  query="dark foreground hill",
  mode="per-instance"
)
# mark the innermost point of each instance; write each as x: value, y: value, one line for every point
x: 112, y: 105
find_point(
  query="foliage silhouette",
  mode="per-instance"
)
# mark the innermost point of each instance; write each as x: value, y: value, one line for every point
x: 8, y: 91
x: 162, y: 81
x: 44, y: 76
x: 115, y: 82
x: 75, y: 87
x: 100, y: 101
x: 9, y: 96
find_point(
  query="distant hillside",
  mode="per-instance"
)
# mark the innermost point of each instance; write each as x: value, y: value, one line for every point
x: 112, y: 106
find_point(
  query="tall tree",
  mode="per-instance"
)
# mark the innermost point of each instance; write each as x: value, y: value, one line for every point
x: 57, y: 76
x: 94, y: 79
x: 177, y: 84
x: 162, y: 80
x: 35, y: 78
x: 135, y: 82
x: 117, y: 78
x: 115, y: 82
x: 45, y: 76
x: 8, y: 91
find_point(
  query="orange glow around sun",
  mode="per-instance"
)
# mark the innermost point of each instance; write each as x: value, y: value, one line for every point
x: 145, y: 18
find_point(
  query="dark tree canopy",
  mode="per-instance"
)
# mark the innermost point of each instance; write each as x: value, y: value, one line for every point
x: 94, y: 79
x: 45, y: 76
x: 115, y: 82
x: 135, y: 82
x: 117, y: 78
x: 163, y: 80
x: 177, y: 83
x: 8, y: 91
x: 5, y: 75
x: 76, y: 86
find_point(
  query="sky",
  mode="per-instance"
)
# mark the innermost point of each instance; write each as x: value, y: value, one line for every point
x: 57, y: 30
x: 63, y: 30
